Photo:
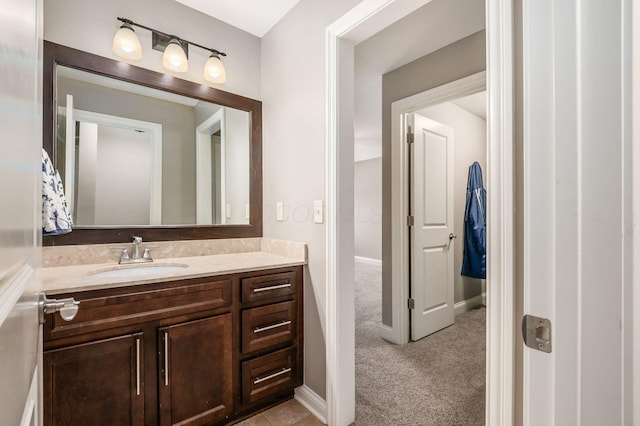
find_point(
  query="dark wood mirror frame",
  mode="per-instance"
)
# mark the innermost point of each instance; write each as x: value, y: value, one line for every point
x: 55, y: 54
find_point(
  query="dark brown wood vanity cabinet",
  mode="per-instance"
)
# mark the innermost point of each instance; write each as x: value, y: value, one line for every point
x: 204, y: 351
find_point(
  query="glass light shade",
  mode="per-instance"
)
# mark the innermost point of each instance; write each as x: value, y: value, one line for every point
x: 126, y: 44
x: 214, y: 71
x: 174, y: 58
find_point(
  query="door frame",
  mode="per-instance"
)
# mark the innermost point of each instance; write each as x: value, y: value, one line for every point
x: 155, y: 131
x: 204, y: 168
x: 399, y: 332
x: 365, y: 19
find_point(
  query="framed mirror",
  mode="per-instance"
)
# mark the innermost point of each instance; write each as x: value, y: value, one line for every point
x: 148, y: 154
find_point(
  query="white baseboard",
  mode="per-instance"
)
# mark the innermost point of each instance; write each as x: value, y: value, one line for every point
x: 312, y: 402
x: 469, y: 304
x: 389, y: 334
x: 368, y: 260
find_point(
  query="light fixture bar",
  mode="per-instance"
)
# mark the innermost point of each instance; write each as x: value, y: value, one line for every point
x: 170, y: 36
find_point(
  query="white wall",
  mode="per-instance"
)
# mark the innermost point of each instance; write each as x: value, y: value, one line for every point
x: 368, y: 208
x: 123, y: 192
x: 293, y: 95
x: 470, y: 144
x: 90, y: 26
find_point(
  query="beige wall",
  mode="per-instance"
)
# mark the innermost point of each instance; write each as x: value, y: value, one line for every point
x: 90, y: 26
x: 293, y: 95
x: 460, y: 59
x: 368, y: 208
x: 470, y: 144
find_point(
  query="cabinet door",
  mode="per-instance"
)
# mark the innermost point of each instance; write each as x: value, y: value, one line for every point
x: 98, y: 383
x: 196, y: 372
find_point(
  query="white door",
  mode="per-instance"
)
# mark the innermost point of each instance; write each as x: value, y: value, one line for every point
x: 20, y: 121
x: 577, y: 213
x: 431, y: 205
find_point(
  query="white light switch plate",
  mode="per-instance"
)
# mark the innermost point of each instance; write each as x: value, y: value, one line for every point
x: 318, y: 211
x: 280, y: 211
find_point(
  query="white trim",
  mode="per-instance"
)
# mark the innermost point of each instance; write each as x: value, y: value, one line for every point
x: 469, y: 304
x: 154, y: 129
x: 13, y: 286
x: 31, y: 410
x: 635, y: 191
x: 388, y: 334
x: 500, y: 213
x: 368, y: 260
x: 312, y: 402
x: 69, y: 153
x: 399, y: 184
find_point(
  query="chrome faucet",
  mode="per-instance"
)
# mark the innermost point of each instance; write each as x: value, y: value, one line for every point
x: 135, y: 257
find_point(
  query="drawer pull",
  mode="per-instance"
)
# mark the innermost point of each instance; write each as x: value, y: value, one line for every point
x: 271, y: 376
x: 273, y: 287
x: 270, y: 327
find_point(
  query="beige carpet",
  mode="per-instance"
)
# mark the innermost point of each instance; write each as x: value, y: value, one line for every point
x: 438, y: 380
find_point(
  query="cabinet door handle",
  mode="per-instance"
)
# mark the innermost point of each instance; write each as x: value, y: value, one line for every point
x: 137, y: 366
x: 273, y: 287
x: 166, y: 359
x: 270, y: 327
x: 271, y: 376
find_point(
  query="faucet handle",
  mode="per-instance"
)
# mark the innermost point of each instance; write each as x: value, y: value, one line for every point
x: 147, y: 254
x: 124, y: 257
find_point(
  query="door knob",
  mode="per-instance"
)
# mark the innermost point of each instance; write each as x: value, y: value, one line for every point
x: 68, y: 308
x: 452, y: 236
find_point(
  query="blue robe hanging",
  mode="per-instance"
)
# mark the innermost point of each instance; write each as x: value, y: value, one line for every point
x: 475, y: 223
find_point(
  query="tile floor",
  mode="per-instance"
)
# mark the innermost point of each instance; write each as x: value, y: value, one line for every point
x: 289, y: 413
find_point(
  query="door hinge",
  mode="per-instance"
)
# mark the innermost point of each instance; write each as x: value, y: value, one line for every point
x: 412, y: 304
x: 410, y: 138
x: 537, y: 333
x: 410, y: 221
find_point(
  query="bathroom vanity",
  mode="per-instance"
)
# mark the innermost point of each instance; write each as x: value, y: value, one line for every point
x: 213, y: 342
x: 209, y: 332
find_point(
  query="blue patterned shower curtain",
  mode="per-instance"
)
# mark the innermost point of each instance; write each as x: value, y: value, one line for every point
x: 475, y: 223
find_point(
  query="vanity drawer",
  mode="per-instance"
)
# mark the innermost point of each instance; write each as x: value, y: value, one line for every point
x: 102, y: 310
x: 269, y: 287
x: 268, y: 376
x: 268, y: 326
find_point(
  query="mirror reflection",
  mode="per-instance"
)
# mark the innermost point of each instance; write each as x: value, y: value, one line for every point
x: 130, y: 155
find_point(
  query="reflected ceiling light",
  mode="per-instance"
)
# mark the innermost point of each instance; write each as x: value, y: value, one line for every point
x: 176, y: 51
x: 126, y: 43
x: 214, y: 70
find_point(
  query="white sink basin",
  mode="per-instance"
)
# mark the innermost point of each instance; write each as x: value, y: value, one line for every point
x: 140, y: 271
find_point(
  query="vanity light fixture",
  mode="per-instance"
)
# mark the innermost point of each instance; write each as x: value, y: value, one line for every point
x: 214, y: 70
x: 174, y: 58
x: 176, y: 51
x: 126, y: 43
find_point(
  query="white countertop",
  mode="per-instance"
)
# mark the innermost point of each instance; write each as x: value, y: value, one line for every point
x: 72, y: 278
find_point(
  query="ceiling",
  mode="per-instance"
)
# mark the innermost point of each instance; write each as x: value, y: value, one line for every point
x: 476, y: 104
x: 253, y: 16
x: 429, y: 28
